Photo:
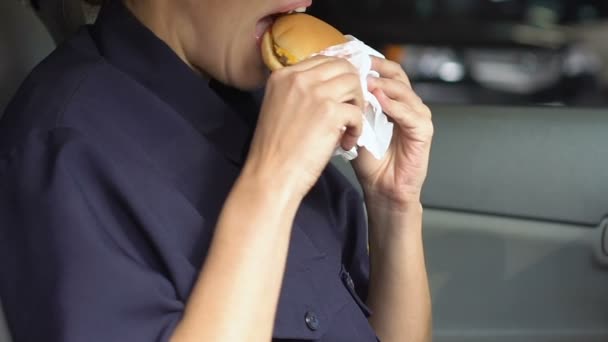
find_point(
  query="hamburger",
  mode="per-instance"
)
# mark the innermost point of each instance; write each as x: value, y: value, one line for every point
x: 294, y: 37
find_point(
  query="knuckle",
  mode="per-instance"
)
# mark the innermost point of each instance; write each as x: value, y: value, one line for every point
x: 326, y: 107
x: 298, y: 81
x: 399, y: 73
x: 426, y: 126
x: 344, y: 65
x: 323, y: 58
x: 397, y: 67
x: 426, y: 111
x: 389, y: 106
x: 430, y: 129
x: 352, y: 81
x: 415, y: 101
x: 350, y: 67
x: 353, y: 76
x: 392, y: 64
x: 273, y: 79
x: 277, y: 79
x: 317, y: 93
x: 278, y: 75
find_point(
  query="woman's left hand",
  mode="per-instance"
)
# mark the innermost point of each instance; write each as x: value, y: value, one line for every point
x: 395, y: 181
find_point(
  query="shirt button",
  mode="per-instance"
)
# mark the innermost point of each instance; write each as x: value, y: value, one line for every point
x: 312, y: 321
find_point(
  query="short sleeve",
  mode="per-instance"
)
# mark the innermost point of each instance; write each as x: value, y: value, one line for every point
x: 65, y: 219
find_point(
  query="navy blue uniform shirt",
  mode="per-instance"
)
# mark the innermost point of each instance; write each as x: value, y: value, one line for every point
x: 115, y: 161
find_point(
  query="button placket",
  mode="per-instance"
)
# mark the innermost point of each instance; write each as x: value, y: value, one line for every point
x: 350, y: 285
x: 348, y: 280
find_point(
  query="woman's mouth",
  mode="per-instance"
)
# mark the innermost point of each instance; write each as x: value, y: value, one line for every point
x: 265, y: 23
x: 262, y: 26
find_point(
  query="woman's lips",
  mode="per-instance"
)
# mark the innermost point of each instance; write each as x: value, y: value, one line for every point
x: 265, y: 23
x: 262, y: 26
x: 302, y: 5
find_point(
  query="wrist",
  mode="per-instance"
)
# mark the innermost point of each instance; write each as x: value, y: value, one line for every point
x: 389, y: 225
x: 389, y: 217
x: 270, y: 184
x: 398, y: 203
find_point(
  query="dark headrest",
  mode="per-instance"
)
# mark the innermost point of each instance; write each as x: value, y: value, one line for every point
x: 64, y: 17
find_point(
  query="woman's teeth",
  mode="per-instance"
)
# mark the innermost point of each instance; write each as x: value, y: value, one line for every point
x: 298, y: 10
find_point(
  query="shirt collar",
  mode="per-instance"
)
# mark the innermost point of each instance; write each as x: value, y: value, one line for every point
x: 223, y: 114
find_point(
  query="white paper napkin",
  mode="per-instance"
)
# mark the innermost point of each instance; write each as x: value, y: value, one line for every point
x: 377, y: 130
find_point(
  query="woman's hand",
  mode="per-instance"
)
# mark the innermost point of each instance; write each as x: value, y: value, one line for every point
x: 303, y: 115
x: 396, y: 181
x: 309, y: 109
x: 398, y: 292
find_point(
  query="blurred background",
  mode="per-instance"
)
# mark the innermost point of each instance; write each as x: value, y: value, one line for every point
x: 516, y: 200
x: 506, y: 52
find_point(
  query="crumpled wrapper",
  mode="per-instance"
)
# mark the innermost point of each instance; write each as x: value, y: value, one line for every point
x: 377, y: 130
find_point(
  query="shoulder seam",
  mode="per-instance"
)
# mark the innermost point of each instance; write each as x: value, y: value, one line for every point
x: 68, y: 100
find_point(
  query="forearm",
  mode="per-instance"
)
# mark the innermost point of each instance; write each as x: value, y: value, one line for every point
x: 399, y: 291
x: 236, y: 295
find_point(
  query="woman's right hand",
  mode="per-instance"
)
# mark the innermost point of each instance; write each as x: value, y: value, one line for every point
x: 309, y: 109
x: 304, y: 110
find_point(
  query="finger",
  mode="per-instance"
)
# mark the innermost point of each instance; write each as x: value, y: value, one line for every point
x: 332, y: 69
x: 345, y: 91
x: 395, y: 90
x: 401, y: 114
x: 309, y: 63
x: 390, y: 69
x: 349, y: 116
x: 344, y: 88
x: 300, y: 67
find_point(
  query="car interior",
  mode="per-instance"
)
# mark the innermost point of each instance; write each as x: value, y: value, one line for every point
x: 516, y: 201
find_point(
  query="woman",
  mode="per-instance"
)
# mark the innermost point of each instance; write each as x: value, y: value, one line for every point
x: 141, y: 202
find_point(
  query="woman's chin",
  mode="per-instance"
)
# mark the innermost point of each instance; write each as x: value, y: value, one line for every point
x: 253, y: 79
